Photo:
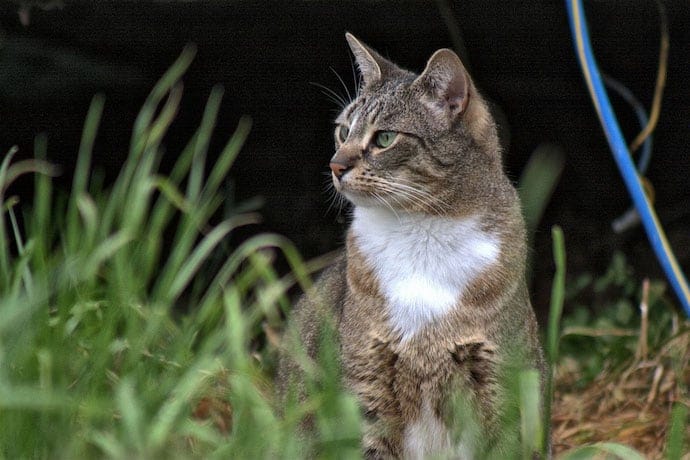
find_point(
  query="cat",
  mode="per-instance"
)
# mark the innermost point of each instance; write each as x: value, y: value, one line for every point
x: 429, y: 300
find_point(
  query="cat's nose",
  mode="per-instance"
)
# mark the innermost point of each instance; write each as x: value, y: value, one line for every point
x: 338, y: 168
x: 344, y: 160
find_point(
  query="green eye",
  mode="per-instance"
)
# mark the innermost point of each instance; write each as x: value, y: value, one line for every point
x: 384, y: 139
x: 342, y: 132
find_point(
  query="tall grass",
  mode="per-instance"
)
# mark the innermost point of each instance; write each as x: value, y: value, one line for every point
x: 553, y: 330
x: 96, y: 359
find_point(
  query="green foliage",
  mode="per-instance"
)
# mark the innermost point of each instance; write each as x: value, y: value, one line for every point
x: 553, y: 330
x: 519, y: 433
x: 678, y: 432
x: 602, y: 328
x: 95, y: 359
x: 604, y: 450
x: 538, y: 182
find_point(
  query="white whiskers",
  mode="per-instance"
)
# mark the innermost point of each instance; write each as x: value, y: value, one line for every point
x: 412, y: 193
x: 339, y: 99
x: 342, y: 83
x: 335, y: 199
x: 382, y: 200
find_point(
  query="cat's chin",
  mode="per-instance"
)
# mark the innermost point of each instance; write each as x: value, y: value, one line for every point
x: 366, y: 201
x: 357, y: 199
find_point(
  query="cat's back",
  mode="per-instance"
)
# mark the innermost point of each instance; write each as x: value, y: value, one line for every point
x: 324, y: 301
x: 319, y: 309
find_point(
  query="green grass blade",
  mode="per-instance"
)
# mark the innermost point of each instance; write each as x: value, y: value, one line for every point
x: 235, y: 328
x: 557, y: 296
x: 28, y: 166
x: 677, y: 437
x: 88, y: 210
x: 603, y: 450
x: 4, y: 168
x: 176, y: 405
x: 202, y: 251
x: 81, y: 172
x: 171, y: 194
x: 553, y: 331
x: 160, y: 125
x: 41, y: 226
x: 162, y: 211
x: 208, y: 122
x: 531, y: 424
x: 227, y: 156
x: 147, y: 132
x: 103, y: 252
x: 22, y: 252
x: 161, y: 88
x: 29, y: 398
x: 137, y: 197
x: 109, y: 445
x: 132, y: 414
x: 538, y: 182
x: 5, y: 253
x: 243, y: 251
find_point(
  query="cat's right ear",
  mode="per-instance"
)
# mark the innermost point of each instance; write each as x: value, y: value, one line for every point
x: 371, y: 65
x: 445, y: 84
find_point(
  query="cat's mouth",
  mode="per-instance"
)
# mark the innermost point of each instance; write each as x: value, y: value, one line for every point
x: 361, y: 194
x: 395, y: 194
x: 347, y: 182
x: 342, y: 186
x: 346, y: 185
x: 336, y: 181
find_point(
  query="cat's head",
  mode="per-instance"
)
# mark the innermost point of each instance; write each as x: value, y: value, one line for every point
x: 416, y: 143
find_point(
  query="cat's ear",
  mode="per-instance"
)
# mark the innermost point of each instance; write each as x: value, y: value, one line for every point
x: 445, y: 84
x: 371, y: 65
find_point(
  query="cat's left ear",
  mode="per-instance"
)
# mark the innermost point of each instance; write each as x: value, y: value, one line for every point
x: 372, y: 66
x: 445, y: 84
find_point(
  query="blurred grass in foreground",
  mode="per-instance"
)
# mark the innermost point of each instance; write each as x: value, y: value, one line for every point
x: 95, y: 358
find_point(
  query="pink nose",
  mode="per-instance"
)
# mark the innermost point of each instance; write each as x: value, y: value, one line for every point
x: 338, y: 168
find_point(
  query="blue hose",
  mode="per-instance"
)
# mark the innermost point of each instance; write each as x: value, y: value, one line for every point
x: 621, y: 155
x: 629, y: 97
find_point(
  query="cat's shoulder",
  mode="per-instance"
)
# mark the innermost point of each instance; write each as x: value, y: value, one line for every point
x: 328, y: 290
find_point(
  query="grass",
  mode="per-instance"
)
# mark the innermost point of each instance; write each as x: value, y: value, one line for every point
x: 623, y: 376
x: 97, y: 358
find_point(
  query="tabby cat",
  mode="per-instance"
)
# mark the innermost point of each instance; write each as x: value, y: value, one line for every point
x: 429, y: 298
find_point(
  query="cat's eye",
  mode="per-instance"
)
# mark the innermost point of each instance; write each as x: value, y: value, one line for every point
x: 342, y: 132
x: 384, y: 139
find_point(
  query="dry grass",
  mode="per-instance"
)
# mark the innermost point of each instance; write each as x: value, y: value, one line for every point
x: 630, y: 404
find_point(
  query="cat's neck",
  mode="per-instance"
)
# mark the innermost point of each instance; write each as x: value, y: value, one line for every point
x: 379, y: 226
x: 422, y: 263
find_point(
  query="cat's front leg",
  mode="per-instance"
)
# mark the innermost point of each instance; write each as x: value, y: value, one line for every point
x: 370, y: 373
x: 377, y: 444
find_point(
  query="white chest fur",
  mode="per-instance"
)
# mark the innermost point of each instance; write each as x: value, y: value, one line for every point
x: 422, y: 263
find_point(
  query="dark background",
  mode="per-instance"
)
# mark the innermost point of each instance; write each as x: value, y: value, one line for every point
x: 55, y: 56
